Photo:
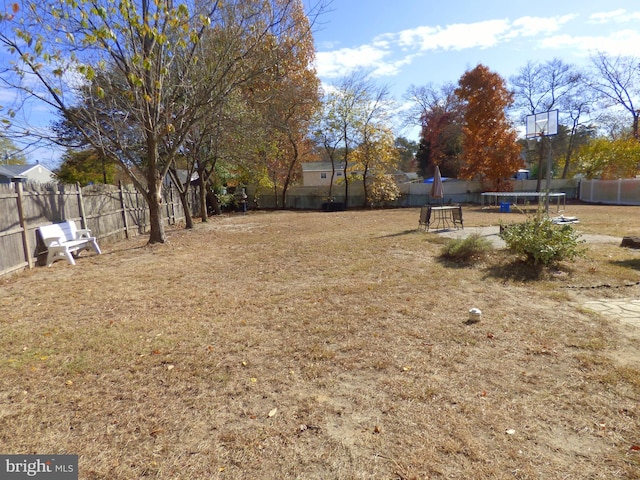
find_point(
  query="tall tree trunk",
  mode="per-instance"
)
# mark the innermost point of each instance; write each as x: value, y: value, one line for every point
x: 333, y: 175
x: 346, y: 187
x: 156, y: 217
x: 154, y: 193
x: 275, y: 194
x: 213, y: 203
x: 364, y: 185
x: 284, y: 193
x: 571, y: 146
x: 292, y: 165
x: 183, y: 191
x: 204, y: 212
x: 188, y: 219
x: 346, y: 167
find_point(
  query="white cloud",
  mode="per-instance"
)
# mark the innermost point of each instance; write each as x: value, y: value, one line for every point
x: 623, y: 42
x: 452, y: 37
x: 462, y: 36
x: 617, y: 16
x: 413, y: 37
x: 386, y: 54
x: 339, y: 62
x: 532, y: 26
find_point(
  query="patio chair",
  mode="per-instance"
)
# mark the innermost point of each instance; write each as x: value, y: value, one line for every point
x: 425, y: 218
x: 456, y: 215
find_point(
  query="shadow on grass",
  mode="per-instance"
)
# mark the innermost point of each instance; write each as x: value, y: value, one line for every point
x: 404, y: 232
x: 131, y: 248
x: 633, y: 263
x: 461, y: 263
x: 516, y: 270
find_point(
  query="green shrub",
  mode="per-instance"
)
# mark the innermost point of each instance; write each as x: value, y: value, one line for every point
x: 228, y: 201
x: 466, y: 249
x: 540, y: 241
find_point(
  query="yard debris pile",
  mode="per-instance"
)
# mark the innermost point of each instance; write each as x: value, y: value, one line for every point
x: 562, y: 220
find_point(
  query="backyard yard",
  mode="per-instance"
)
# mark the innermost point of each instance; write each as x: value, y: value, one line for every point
x: 310, y: 345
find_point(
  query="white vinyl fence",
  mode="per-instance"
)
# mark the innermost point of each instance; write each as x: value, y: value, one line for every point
x: 613, y: 192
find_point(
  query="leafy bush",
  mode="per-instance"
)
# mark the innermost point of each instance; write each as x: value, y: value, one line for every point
x: 466, y: 249
x: 382, y: 190
x: 228, y: 201
x: 540, y: 241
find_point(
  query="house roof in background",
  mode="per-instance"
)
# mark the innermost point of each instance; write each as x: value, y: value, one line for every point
x: 10, y: 172
x: 319, y: 166
x: 24, y: 169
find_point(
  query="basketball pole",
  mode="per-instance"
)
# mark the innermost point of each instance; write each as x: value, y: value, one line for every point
x: 546, y: 203
x: 543, y: 125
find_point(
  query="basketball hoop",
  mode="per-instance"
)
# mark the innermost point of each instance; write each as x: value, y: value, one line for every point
x: 543, y: 125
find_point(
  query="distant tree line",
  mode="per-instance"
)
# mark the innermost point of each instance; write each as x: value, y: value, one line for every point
x: 597, y: 131
x: 227, y: 93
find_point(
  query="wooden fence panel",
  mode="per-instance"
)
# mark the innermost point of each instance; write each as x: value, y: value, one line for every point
x: 8, y: 206
x: 11, y: 246
x: 43, y: 204
x: 111, y: 213
x: 103, y: 210
x: 11, y: 231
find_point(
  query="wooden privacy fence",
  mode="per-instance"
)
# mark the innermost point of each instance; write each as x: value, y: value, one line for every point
x: 111, y: 212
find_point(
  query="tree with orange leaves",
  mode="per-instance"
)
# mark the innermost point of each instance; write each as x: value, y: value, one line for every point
x: 491, y: 151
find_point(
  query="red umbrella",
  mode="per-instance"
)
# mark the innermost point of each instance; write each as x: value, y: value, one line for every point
x: 437, y: 188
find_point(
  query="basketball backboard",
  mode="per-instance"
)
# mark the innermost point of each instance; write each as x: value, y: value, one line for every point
x: 542, y: 124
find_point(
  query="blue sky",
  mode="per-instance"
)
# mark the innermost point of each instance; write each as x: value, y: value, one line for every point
x: 405, y: 42
x: 417, y: 42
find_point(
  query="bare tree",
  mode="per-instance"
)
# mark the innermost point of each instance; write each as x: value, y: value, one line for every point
x: 616, y: 80
x: 428, y: 98
x: 439, y: 112
x: 541, y: 87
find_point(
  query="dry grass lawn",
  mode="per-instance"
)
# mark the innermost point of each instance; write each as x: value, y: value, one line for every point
x: 316, y: 345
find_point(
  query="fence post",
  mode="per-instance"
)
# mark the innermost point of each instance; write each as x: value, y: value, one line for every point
x: 124, y: 211
x: 83, y: 216
x: 23, y: 223
x: 619, y: 190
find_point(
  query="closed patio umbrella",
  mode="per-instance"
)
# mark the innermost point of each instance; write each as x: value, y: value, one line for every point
x: 437, y: 187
